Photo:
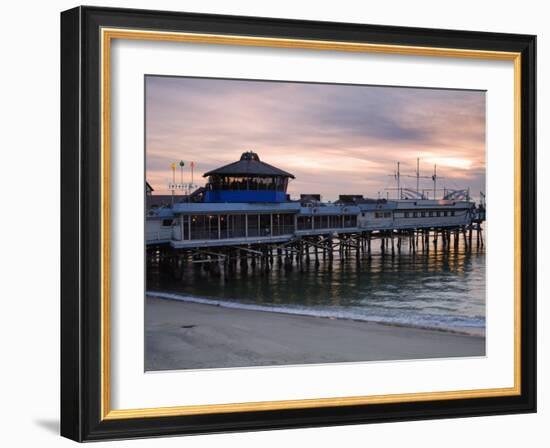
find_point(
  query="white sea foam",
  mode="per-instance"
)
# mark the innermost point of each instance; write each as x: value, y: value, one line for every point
x: 471, y: 326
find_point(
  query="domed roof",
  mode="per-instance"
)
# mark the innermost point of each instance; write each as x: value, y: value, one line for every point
x: 249, y: 165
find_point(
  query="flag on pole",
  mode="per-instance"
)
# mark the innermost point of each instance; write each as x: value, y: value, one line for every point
x: 173, y: 166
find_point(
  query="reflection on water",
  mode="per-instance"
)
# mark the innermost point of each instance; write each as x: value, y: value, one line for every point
x: 439, y: 289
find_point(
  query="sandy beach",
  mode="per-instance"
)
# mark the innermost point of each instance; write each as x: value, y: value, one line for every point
x: 182, y: 335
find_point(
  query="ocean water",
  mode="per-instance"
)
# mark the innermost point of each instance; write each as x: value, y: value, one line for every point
x: 437, y: 290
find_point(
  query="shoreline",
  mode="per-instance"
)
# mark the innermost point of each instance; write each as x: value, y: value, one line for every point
x: 189, y: 335
x: 473, y: 331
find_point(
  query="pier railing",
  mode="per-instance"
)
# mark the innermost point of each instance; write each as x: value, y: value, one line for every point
x: 162, y: 235
x: 220, y: 233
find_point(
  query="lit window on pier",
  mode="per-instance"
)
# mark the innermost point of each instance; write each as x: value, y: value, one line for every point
x: 326, y: 222
x: 227, y: 226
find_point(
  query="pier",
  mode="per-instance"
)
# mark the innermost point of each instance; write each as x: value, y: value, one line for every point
x: 243, y: 219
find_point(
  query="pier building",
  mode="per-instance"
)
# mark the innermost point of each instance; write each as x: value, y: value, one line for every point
x: 247, y: 180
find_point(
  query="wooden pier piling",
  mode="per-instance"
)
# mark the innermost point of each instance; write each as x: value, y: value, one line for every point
x: 223, y: 262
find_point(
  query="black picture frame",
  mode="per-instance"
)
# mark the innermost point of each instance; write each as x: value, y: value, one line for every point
x: 81, y: 224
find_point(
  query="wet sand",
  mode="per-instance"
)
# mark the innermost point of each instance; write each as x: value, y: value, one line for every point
x: 182, y: 335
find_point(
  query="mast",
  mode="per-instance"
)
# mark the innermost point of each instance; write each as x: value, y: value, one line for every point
x: 398, y: 182
x: 418, y: 174
x: 397, y: 176
x: 434, y: 178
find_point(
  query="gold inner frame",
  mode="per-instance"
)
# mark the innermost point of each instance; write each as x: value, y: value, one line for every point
x: 107, y: 35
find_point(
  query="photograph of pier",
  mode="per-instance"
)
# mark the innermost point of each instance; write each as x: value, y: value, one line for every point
x: 292, y: 223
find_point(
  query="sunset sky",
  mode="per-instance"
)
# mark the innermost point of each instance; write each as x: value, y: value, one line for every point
x: 336, y: 139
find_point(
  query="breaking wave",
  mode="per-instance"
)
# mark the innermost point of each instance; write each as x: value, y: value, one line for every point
x: 474, y: 326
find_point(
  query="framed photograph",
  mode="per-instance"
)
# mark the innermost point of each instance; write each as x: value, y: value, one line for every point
x: 273, y: 223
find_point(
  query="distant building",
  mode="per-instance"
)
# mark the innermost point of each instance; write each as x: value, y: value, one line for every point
x: 310, y: 198
x: 350, y: 199
x: 160, y: 200
x: 163, y: 200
